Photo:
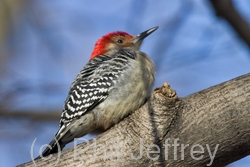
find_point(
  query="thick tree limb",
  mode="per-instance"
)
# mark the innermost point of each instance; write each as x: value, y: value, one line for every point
x: 216, y: 119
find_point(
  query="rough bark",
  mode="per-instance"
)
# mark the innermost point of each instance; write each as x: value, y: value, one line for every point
x: 217, y: 115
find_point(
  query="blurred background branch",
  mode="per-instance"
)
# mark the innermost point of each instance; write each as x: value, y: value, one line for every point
x: 8, y: 10
x: 226, y: 9
x: 32, y: 115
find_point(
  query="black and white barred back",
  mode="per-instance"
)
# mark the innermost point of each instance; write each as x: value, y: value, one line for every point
x: 93, y: 83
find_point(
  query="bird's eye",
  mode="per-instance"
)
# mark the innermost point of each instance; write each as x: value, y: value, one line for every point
x: 120, y: 41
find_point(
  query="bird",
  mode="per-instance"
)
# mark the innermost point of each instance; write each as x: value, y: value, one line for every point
x: 117, y: 80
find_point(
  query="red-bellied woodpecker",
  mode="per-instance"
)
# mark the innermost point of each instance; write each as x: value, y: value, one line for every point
x: 116, y: 81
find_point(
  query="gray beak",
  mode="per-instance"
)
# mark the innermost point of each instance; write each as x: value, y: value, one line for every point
x: 144, y: 34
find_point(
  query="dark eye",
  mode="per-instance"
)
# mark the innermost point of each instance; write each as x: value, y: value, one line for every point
x: 120, y: 41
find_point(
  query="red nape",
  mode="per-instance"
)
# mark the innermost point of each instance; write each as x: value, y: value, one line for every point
x: 102, y: 43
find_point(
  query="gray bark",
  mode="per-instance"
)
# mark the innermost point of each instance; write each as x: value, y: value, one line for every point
x: 215, y: 119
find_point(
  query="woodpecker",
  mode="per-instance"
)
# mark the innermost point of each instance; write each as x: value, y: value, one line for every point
x: 116, y: 81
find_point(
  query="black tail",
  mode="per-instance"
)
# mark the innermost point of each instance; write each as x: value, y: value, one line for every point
x: 55, y: 146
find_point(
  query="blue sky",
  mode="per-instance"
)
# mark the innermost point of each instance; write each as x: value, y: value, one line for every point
x: 51, y: 41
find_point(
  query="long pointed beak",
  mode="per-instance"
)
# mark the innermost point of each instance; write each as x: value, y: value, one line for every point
x: 144, y: 34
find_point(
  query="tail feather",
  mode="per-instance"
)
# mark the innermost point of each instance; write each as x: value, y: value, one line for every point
x: 64, y: 136
x: 55, y: 146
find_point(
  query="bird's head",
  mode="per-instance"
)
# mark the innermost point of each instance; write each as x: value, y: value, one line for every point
x: 112, y: 42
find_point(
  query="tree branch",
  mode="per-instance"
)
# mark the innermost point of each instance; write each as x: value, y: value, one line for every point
x: 225, y: 8
x: 34, y: 115
x: 173, y: 131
